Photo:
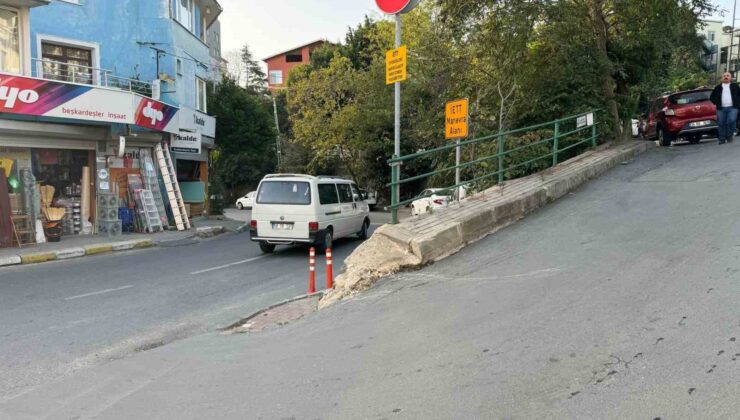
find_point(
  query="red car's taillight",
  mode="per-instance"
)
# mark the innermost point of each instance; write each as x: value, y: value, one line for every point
x: 313, y: 226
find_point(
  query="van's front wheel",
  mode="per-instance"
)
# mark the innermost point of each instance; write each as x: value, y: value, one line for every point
x: 267, y: 248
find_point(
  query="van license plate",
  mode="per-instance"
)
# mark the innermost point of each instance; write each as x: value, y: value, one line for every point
x: 282, y: 226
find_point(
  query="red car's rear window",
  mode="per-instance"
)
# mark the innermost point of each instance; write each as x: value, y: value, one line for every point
x: 690, y: 97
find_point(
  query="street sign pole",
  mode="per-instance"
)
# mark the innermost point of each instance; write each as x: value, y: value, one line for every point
x: 457, y: 169
x: 396, y: 170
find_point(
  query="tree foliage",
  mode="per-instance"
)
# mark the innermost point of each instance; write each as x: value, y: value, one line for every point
x: 245, y: 136
x: 519, y: 62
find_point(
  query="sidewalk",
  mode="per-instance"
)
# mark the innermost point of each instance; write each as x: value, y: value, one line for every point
x: 87, y: 245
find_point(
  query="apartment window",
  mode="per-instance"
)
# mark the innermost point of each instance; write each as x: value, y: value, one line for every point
x: 294, y: 57
x: 188, y: 13
x: 178, y: 66
x: 711, y: 35
x: 276, y: 77
x: 10, y: 47
x: 68, y: 63
x: 200, y: 92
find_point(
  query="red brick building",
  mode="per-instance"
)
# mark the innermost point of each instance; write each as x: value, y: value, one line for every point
x: 279, y: 65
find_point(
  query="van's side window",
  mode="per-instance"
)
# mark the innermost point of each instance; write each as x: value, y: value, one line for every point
x: 345, y: 193
x: 328, y: 194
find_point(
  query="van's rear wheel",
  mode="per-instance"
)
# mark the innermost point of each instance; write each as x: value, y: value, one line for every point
x: 327, y: 241
x: 362, y: 234
x: 267, y: 248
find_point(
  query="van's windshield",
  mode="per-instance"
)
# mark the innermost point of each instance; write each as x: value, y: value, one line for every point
x: 284, y: 192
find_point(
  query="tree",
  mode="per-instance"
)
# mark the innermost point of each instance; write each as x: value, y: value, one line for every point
x: 235, y: 67
x: 254, y: 76
x: 245, y: 145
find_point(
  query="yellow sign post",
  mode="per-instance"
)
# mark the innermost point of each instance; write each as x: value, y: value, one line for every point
x: 456, y: 128
x: 456, y: 119
x: 395, y: 65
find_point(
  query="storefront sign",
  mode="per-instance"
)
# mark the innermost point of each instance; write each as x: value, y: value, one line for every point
x: 194, y: 120
x: 156, y: 115
x: 23, y: 95
x: 186, y: 143
x: 49, y: 98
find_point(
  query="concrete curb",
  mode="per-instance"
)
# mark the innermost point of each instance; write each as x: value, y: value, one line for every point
x: 244, y: 320
x: 416, y: 242
x: 101, y: 248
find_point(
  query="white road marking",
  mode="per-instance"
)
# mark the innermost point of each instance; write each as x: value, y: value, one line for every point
x: 228, y: 265
x: 100, y: 292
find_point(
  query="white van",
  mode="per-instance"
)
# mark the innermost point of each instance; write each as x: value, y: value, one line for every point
x: 291, y: 209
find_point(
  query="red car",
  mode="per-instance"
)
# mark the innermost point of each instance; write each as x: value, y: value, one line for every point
x: 688, y: 115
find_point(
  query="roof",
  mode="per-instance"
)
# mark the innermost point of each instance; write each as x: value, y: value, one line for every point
x: 292, y: 177
x: 296, y: 48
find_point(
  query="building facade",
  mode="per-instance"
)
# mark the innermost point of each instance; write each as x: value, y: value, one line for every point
x: 90, y: 88
x: 279, y: 65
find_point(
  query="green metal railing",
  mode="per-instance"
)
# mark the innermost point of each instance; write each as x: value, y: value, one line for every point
x: 567, y: 134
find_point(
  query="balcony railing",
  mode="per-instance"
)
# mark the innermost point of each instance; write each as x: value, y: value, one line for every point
x: 76, y: 73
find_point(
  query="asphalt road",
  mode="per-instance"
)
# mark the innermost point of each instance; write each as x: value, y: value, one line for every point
x: 619, y: 301
x: 63, y: 316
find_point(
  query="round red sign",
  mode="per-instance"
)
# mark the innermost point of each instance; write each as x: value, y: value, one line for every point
x: 393, y: 7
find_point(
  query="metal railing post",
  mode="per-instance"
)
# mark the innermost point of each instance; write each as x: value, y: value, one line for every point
x: 593, y: 134
x: 394, y: 190
x: 501, y: 150
x: 555, y: 143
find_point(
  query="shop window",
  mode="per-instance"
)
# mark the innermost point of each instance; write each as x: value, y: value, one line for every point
x: 67, y: 63
x: 188, y: 170
x: 200, y: 91
x: 10, y: 47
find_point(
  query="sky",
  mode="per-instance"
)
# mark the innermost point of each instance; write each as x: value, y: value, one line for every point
x: 274, y: 26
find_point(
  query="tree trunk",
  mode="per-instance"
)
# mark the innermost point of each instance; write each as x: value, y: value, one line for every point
x: 601, y: 29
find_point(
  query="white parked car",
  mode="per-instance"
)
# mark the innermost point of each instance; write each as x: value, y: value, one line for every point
x: 246, y: 202
x: 291, y: 209
x: 434, y: 198
x: 370, y: 198
x: 431, y: 198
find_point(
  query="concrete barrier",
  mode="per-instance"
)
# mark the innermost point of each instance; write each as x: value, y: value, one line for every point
x: 65, y: 254
x: 419, y: 241
x: 10, y: 260
x: 98, y: 249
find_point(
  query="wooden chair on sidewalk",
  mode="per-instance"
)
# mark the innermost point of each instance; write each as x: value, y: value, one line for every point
x: 23, y: 230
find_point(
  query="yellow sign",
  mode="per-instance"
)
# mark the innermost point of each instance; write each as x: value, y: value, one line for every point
x: 395, y: 65
x: 456, y: 119
x: 6, y: 165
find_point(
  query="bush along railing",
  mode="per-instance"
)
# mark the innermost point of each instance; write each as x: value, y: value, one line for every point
x: 491, y: 159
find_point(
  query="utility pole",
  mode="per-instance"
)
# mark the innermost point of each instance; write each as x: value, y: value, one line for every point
x: 732, y: 38
x: 277, y: 129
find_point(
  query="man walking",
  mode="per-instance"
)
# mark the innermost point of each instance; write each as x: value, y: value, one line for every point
x: 726, y: 97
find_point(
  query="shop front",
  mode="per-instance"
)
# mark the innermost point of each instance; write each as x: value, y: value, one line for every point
x: 81, y: 160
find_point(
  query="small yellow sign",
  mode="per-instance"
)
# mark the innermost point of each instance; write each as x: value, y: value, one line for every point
x: 456, y: 119
x: 395, y: 65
